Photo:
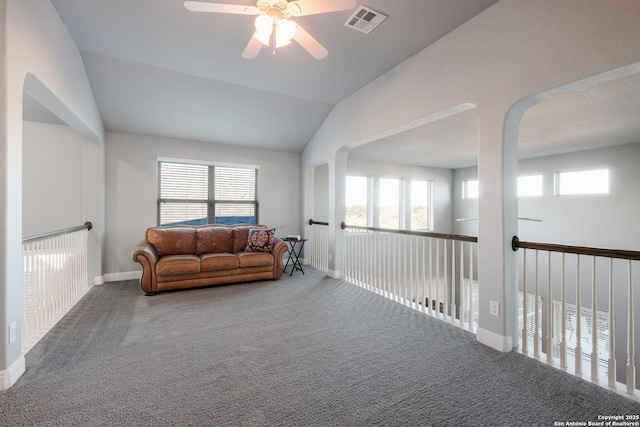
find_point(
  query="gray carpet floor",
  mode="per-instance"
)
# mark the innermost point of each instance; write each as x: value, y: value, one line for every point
x: 301, y: 351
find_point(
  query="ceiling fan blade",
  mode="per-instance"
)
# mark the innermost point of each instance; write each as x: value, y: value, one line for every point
x: 310, y: 44
x: 199, y: 6
x: 252, y: 49
x: 312, y: 7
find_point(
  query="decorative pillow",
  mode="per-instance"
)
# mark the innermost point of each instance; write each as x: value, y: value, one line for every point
x: 260, y: 240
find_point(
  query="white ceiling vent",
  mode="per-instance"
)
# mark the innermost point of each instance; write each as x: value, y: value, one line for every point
x: 365, y: 19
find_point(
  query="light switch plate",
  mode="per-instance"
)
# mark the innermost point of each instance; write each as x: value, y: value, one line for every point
x: 494, y: 308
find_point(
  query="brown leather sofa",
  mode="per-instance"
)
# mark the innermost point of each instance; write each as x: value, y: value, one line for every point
x: 181, y: 257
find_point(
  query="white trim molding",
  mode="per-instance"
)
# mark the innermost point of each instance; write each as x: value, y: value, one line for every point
x: 495, y: 341
x: 9, y: 377
x: 117, y: 277
x: 333, y: 274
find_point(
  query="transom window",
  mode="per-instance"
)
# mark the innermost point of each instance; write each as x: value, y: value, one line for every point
x: 199, y: 193
x: 595, y: 181
x: 470, y: 189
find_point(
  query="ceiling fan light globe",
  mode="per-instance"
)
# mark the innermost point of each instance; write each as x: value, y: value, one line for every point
x: 285, y: 30
x: 264, y: 28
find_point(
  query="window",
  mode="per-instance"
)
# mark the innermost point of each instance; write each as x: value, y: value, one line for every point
x: 594, y: 181
x: 586, y: 336
x: 530, y: 186
x: 531, y: 317
x: 470, y: 189
x: 420, y: 218
x: 389, y: 203
x: 196, y: 194
x: 357, y: 201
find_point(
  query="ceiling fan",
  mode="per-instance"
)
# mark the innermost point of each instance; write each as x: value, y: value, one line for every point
x: 274, y: 27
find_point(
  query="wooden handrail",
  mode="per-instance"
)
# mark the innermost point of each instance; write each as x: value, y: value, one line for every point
x: 312, y: 222
x: 87, y: 225
x: 579, y: 250
x: 458, y: 237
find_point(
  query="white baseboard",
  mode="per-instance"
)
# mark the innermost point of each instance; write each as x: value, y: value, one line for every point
x: 333, y: 274
x: 495, y: 341
x: 117, y: 277
x: 9, y: 377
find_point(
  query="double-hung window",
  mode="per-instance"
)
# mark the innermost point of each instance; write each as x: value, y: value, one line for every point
x: 196, y: 193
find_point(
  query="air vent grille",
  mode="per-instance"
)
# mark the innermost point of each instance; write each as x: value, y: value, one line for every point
x: 365, y: 19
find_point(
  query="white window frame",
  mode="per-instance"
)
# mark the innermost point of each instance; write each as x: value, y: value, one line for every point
x: 210, y: 200
x: 559, y: 175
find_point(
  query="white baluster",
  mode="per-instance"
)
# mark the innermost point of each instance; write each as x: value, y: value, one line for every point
x: 430, y: 276
x: 536, y: 315
x: 631, y: 366
x: 445, y: 265
x: 524, y: 335
x: 452, y: 309
x: 462, y: 282
x: 594, y: 324
x: 611, y: 371
x: 423, y: 281
x: 438, y: 283
x: 549, y: 312
x: 470, y: 289
x: 578, y: 349
x: 563, y: 318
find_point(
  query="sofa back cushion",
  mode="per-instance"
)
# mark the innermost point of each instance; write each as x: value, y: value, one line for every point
x: 173, y: 240
x: 241, y: 236
x: 214, y: 239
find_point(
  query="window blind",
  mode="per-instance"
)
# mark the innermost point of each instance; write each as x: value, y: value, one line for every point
x: 586, y: 317
x: 196, y: 194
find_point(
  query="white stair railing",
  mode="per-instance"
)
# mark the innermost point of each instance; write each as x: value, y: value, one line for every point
x: 319, y: 245
x: 586, y: 330
x: 430, y: 272
x: 54, y: 279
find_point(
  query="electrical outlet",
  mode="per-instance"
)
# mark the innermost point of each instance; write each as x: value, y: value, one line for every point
x: 330, y: 256
x: 494, y: 308
x: 12, y: 332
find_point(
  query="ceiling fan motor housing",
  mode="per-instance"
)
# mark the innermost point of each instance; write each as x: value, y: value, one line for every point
x: 276, y: 9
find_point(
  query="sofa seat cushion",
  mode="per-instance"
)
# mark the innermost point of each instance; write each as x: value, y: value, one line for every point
x: 178, y: 264
x: 223, y: 261
x: 254, y: 259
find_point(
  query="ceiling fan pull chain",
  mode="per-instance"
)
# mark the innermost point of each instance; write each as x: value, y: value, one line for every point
x: 272, y: 39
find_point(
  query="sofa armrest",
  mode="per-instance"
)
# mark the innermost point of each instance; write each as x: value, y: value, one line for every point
x: 145, y: 254
x: 278, y: 251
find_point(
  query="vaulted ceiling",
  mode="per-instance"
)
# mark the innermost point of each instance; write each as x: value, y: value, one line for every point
x: 158, y: 69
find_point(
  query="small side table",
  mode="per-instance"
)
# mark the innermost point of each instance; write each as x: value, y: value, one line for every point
x: 295, y: 249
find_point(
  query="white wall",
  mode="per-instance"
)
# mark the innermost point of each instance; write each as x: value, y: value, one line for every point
x: 599, y: 220
x: 603, y: 220
x: 38, y: 56
x: 132, y: 189
x: 321, y: 194
x: 52, y: 178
